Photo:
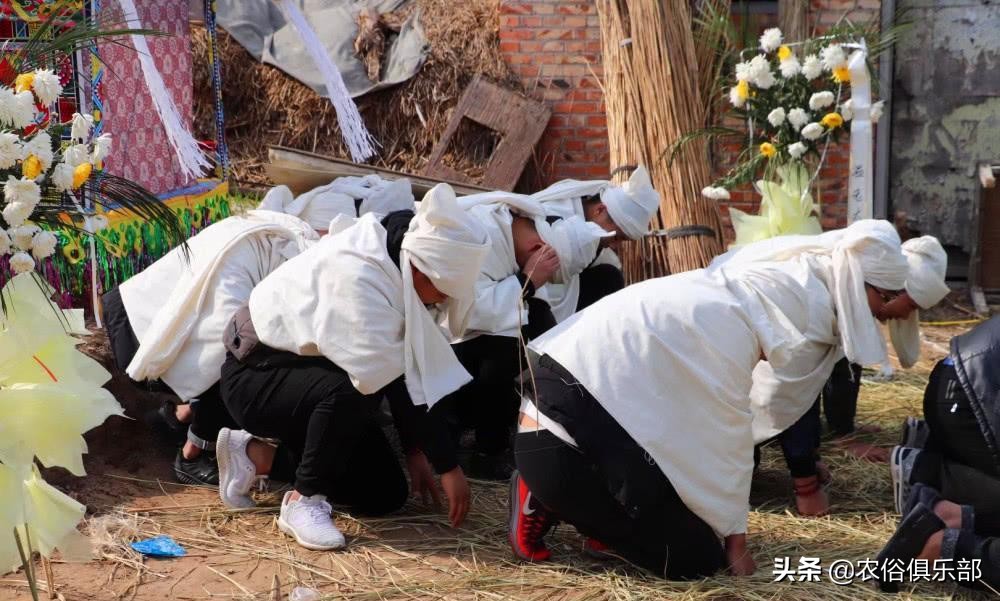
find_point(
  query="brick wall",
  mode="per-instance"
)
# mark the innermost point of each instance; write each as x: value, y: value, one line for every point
x: 554, y: 45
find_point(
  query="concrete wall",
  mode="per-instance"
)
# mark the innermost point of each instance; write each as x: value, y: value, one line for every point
x: 946, y: 114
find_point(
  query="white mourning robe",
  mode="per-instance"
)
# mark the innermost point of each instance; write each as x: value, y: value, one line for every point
x: 180, y: 305
x: 671, y: 360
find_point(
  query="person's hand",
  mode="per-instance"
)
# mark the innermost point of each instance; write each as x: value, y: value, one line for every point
x: 738, y: 556
x: 456, y: 488
x: 541, y: 266
x: 422, y: 484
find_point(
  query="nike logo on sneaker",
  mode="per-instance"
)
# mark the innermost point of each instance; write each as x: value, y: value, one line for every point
x: 526, y: 509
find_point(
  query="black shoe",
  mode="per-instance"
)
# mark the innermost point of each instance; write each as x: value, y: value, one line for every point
x: 163, y: 421
x: 496, y: 467
x: 200, y: 471
x: 909, y: 539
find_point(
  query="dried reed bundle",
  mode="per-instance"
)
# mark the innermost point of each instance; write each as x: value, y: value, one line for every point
x: 653, y: 96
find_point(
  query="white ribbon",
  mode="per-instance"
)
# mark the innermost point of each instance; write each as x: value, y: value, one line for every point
x: 861, y: 184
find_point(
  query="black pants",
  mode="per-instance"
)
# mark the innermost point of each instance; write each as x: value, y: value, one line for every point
x: 609, y: 488
x: 987, y: 550
x: 209, y: 415
x: 597, y: 282
x: 489, y: 403
x: 310, y: 405
x: 956, y: 460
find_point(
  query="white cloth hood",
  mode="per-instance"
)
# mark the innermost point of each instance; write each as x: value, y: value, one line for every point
x: 632, y: 205
x: 321, y: 205
x: 448, y: 246
x: 925, y: 283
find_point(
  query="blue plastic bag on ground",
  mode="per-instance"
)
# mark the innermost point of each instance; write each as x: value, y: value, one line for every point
x: 160, y: 546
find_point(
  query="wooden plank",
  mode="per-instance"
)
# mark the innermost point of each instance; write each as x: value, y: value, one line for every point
x: 302, y: 171
x: 989, y: 239
x: 518, y: 120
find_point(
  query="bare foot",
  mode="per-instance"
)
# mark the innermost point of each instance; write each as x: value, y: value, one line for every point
x: 864, y: 450
x: 184, y: 413
x: 190, y: 451
x: 932, y: 548
x: 950, y: 513
x: 810, y: 498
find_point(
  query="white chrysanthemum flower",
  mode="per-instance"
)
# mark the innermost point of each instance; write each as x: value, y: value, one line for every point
x: 790, y: 67
x: 76, y: 155
x: 16, y: 213
x: 798, y: 118
x: 22, y: 190
x: 41, y: 147
x: 10, y: 150
x: 44, y: 245
x: 813, y: 131
x: 821, y: 100
x: 715, y: 193
x: 6, y: 102
x: 21, y: 236
x: 47, y: 86
x: 771, y: 39
x: 847, y: 110
x: 62, y: 177
x: 797, y: 150
x: 776, y: 117
x: 760, y: 72
x: 833, y: 57
x: 743, y: 71
x: 735, y: 98
x: 82, y: 124
x: 877, y: 110
x: 22, y: 110
x: 102, y: 146
x: 812, y: 67
x: 4, y: 242
x: 21, y: 263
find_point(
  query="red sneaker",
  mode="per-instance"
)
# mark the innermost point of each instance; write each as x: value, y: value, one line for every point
x: 595, y: 549
x: 529, y: 522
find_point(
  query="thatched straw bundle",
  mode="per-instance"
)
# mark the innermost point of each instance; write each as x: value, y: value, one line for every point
x: 265, y: 106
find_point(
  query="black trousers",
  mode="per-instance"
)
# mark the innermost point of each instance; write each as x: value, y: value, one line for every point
x: 597, y: 282
x: 609, y: 488
x: 987, y: 550
x: 309, y: 404
x: 489, y: 403
x: 956, y: 459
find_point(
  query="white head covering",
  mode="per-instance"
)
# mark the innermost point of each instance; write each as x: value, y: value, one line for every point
x: 386, y: 196
x: 319, y: 206
x: 867, y: 251
x: 633, y: 204
x: 925, y: 283
x: 277, y: 199
x: 448, y: 246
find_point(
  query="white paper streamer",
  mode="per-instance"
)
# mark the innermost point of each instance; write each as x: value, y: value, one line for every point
x: 861, y: 184
x: 359, y: 142
x: 189, y: 155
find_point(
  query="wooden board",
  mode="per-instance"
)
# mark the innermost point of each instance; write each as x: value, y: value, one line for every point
x: 519, y: 121
x: 302, y: 171
x: 989, y: 239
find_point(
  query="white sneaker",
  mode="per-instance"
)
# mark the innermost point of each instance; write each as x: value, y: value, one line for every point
x: 309, y: 522
x: 236, y: 471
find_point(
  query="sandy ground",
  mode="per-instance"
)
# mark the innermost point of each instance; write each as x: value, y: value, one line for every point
x: 414, y: 555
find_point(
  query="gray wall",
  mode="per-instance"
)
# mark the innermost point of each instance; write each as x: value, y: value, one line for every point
x: 946, y: 113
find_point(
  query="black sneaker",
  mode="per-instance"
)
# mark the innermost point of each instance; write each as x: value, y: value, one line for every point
x: 163, y: 421
x: 200, y: 471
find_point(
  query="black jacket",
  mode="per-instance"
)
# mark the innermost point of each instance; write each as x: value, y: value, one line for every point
x: 977, y: 362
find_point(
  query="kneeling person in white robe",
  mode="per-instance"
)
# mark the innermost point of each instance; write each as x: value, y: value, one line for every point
x: 320, y: 341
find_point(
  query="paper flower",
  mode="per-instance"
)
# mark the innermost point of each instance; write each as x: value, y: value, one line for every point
x: 767, y: 149
x: 16, y: 213
x: 22, y: 190
x: 790, y: 67
x: 813, y: 131
x: 102, y: 146
x: 842, y: 75
x: 771, y: 39
x: 776, y: 117
x: 812, y: 67
x: 798, y: 118
x: 797, y: 150
x: 76, y: 155
x: 4, y: 242
x: 44, y: 245
x: 21, y: 236
x: 62, y: 177
x: 47, y: 87
x: 22, y: 110
x: 82, y: 124
x: 833, y: 57
x: 786, y: 208
x: 832, y: 120
x: 715, y: 193
x: 743, y: 71
x: 847, y: 110
x: 31, y: 167
x: 738, y: 94
x: 23, y: 82
x: 81, y: 174
x: 821, y: 100
x: 10, y: 150
x: 760, y: 72
x: 785, y: 53
x: 876, y: 110
x: 41, y: 147
x: 21, y: 262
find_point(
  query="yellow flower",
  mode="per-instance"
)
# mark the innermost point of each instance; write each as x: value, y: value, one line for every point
x: 832, y: 120
x: 81, y: 174
x: 24, y: 82
x: 784, y: 53
x: 842, y: 75
x: 743, y: 89
x: 31, y: 167
x: 767, y: 149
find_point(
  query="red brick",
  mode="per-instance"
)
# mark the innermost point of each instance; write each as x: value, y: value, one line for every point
x: 516, y: 34
x: 597, y: 121
x: 508, y: 47
x: 520, y: 59
x: 574, y: 145
x: 553, y: 46
x: 578, y: 8
x: 576, y: 22
x: 518, y: 8
x: 531, y: 46
x: 552, y: 34
x: 544, y: 8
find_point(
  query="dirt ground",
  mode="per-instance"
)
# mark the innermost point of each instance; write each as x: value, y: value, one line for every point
x: 130, y: 494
